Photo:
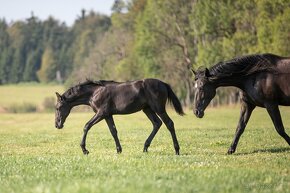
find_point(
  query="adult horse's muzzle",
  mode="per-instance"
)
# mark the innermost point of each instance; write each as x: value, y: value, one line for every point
x: 198, y: 113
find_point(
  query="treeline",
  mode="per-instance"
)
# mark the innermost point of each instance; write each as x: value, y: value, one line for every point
x: 143, y: 38
x: 46, y: 51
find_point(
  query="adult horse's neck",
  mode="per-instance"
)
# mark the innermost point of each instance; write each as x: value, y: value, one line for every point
x: 229, y: 81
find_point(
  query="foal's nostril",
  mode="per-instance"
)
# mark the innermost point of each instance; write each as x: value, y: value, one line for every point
x: 196, y: 112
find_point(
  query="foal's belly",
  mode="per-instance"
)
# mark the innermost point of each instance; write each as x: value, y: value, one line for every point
x: 128, y: 105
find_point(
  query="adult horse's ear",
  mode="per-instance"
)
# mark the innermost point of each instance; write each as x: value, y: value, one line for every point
x: 59, y: 98
x: 206, y: 72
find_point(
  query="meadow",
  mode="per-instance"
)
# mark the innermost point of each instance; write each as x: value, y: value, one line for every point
x: 37, y: 157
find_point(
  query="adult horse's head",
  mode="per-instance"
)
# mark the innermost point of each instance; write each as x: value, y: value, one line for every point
x: 62, y: 110
x: 204, y: 91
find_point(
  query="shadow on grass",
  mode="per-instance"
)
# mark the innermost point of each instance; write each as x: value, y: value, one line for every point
x: 270, y: 150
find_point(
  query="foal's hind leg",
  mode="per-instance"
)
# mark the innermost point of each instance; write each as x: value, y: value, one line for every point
x: 114, y: 132
x: 156, y: 125
x: 170, y: 126
x: 275, y: 115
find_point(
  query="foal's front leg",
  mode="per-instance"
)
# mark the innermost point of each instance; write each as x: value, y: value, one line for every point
x: 95, y: 119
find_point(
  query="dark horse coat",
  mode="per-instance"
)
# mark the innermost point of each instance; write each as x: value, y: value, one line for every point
x: 107, y: 98
x: 264, y: 80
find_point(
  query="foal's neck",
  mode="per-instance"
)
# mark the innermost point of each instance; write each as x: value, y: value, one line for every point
x: 82, y: 98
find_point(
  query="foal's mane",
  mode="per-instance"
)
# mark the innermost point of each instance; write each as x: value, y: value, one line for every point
x: 245, y: 65
x: 74, y: 90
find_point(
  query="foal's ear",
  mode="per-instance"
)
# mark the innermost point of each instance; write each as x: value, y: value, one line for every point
x: 59, y: 97
x: 193, y: 71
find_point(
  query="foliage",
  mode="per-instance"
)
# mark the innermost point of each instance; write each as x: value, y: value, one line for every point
x: 143, y: 38
x: 21, y: 108
x: 48, y: 65
x: 49, y: 104
x: 36, y: 157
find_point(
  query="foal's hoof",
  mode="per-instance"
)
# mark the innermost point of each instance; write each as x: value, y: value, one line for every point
x: 119, y: 150
x: 231, y: 151
x: 86, y: 152
x: 145, y: 149
x: 177, y: 153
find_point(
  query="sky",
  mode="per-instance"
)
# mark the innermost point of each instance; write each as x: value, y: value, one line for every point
x: 64, y: 10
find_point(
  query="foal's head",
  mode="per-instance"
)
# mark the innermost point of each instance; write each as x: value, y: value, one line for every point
x: 62, y: 110
x: 204, y: 91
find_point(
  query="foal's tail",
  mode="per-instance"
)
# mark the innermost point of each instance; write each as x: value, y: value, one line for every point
x: 172, y: 98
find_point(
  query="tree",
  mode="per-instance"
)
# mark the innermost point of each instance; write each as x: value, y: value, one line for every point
x: 47, y: 70
x: 87, y: 32
x: 32, y: 65
x: 5, y: 52
x: 272, y: 27
x: 163, y: 41
x: 118, y: 6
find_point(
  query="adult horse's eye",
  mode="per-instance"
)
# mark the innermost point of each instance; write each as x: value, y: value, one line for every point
x: 200, y: 84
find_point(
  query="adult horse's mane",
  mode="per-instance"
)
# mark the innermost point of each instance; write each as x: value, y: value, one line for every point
x: 245, y: 65
x: 74, y: 90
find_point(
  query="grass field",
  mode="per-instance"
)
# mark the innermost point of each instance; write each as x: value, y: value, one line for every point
x: 36, y: 157
x: 26, y: 93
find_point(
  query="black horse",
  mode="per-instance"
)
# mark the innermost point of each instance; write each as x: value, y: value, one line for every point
x: 107, y: 98
x: 263, y: 79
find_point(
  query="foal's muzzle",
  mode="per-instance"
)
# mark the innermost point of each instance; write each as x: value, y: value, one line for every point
x: 198, y: 113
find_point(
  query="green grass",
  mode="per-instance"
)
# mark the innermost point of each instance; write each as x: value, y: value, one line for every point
x: 36, y: 157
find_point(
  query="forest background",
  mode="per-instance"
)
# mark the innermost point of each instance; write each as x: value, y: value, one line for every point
x: 144, y: 38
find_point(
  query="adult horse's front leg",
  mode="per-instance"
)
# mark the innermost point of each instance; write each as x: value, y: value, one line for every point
x: 114, y: 132
x: 246, y: 111
x: 275, y: 115
x: 95, y: 119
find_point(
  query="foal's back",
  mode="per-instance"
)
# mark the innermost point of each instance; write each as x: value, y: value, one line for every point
x: 129, y: 97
